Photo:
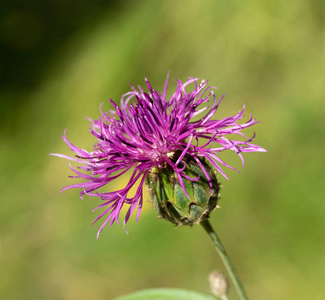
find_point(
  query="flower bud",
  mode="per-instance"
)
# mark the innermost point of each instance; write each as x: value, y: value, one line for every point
x: 218, y: 284
x: 176, y: 205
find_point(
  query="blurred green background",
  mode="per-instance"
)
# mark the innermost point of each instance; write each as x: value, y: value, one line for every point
x: 61, y: 59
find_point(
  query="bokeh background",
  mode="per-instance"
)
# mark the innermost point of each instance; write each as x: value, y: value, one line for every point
x: 61, y: 59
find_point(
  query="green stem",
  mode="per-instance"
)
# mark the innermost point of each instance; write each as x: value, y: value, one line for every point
x: 222, y: 252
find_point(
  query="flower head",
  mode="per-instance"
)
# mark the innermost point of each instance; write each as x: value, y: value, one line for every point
x: 150, y: 131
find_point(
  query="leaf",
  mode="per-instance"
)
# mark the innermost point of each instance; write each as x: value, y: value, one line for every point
x: 166, y: 294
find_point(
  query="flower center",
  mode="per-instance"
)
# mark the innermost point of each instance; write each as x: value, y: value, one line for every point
x: 170, y: 154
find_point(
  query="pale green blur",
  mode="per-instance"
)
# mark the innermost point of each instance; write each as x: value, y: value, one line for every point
x: 267, y: 54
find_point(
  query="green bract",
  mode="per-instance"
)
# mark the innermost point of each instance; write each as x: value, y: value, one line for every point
x: 171, y: 201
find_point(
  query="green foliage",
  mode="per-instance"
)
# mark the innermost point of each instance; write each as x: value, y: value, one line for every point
x: 166, y: 294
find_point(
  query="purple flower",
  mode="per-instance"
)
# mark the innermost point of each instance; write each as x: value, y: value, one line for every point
x: 149, y: 130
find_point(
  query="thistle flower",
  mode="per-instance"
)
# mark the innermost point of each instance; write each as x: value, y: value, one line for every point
x: 150, y: 132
